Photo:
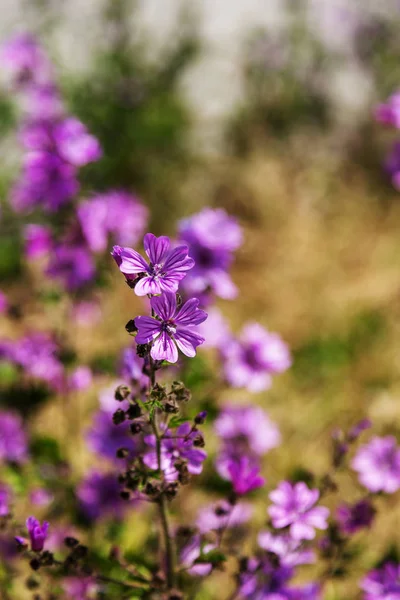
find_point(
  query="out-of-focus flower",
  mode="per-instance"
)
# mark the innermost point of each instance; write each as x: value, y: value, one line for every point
x: 243, y: 473
x: 291, y: 552
x: 175, y: 329
x: 36, y: 353
x: 222, y: 515
x: 131, y: 370
x: 37, y: 534
x: 38, y: 241
x: 251, y: 360
x: 99, y: 496
x: 215, y: 329
x: 80, y: 588
x: 13, y: 441
x: 246, y: 428
x: 212, y: 236
x: 383, y: 583
x: 25, y: 60
x: 294, y: 507
x: 352, y: 517
x: 80, y: 379
x: 40, y: 497
x: 191, y: 552
x: 392, y: 165
x: 73, y: 266
x: 115, y: 214
x: 388, y: 112
x: 260, y: 579
x: 105, y: 438
x: 5, y: 499
x: 74, y: 143
x: 166, y: 269
x: 378, y: 465
x: 86, y: 313
x: 3, y: 302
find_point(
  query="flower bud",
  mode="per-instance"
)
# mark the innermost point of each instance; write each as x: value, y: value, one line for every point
x: 122, y: 392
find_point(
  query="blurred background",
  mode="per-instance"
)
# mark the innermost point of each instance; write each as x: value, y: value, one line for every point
x: 264, y: 109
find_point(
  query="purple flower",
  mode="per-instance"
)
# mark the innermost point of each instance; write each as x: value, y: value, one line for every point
x: 40, y: 497
x: 75, y: 144
x: 36, y: 353
x: 38, y: 241
x: 166, y: 269
x: 25, y: 60
x: 191, y: 552
x: 378, y: 465
x: 174, y: 328
x: 5, y: 499
x: 244, y: 474
x: 80, y: 379
x: 263, y: 580
x: 37, y: 534
x: 131, y: 370
x: 73, y: 266
x: 215, y: 329
x: 389, y: 113
x: 383, y: 583
x: 176, y: 445
x: 80, y: 588
x: 245, y: 428
x: 212, y: 236
x: 294, y: 507
x: 352, y: 517
x: 116, y: 214
x: 13, y: 442
x: 291, y: 553
x: 86, y: 313
x: 250, y: 361
x: 105, y: 438
x: 222, y: 515
x: 99, y: 496
x: 392, y: 165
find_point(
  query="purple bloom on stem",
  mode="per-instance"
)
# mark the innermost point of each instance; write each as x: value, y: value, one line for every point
x: 222, y: 515
x: 38, y: 241
x: 75, y: 144
x: 352, y: 517
x: 244, y: 474
x: 13, y: 442
x: 166, y: 269
x: 294, y: 507
x: 250, y: 361
x: 37, y: 534
x: 24, y: 58
x: 174, y: 329
x: 378, y: 465
x: 389, y: 113
x: 383, y: 583
x: 290, y: 551
x: 73, y: 266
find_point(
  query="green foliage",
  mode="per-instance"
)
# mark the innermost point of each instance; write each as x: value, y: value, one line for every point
x: 46, y: 449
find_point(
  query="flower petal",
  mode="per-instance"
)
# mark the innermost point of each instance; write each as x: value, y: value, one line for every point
x: 164, y: 306
x: 131, y: 261
x: 178, y: 260
x: 156, y: 247
x: 148, y: 328
x: 164, y: 349
x: 189, y: 314
x: 187, y: 341
x: 147, y: 285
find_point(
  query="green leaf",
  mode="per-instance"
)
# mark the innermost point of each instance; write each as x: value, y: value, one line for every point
x: 176, y: 421
x: 215, y: 557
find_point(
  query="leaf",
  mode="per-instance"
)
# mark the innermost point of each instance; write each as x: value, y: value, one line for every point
x: 176, y: 421
x: 215, y: 557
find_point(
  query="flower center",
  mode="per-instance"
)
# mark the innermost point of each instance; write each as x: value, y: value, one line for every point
x: 157, y: 270
x: 169, y: 327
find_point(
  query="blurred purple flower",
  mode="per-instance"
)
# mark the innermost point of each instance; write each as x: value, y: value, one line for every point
x: 222, y: 515
x: 80, y: 588
x: 191, y: 552
x: 166, y: 269
x: 388, y: 113
x: 131, y: 370
x: 73, y: 266
x: 13, y: 441
x: 5, y: 499
x: 215, y: 329
x: 40, y: 497
x: 3, y: 303
x: 105, y: 438
x: 25, y: 60
x: 378, y: 465
x: 37, y: 534
x: 382, y: 583
x: 212, y: 236
x: 99, y: 496
x: 291, y: 552
x: 250, y: 361
x: 80, y: 379
x: 294, y: 507
x: 352, y: 517
x: 392, y: 165
x: 38, y: 241
x: 176, y: 328
x: 86, y: 312
x: 243, y: 473
x: 261, y: 579
x: 74, y: 143
x: 36, y: 353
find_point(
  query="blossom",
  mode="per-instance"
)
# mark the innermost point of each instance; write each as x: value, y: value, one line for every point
x: 116, y: 214
x: 38, y: 241
x: 212, y: 236
x: 221, y: 515
x: 246, y: 427
x: 378, y: 465
x: 252, y: 359
x: 80, y: 588
x: 215, y: 329
x: 176, y: 445
x: 80, y: 379
x: 73, y: 266
x: 37, y: 534
x: 25, y: 60
x: 191, y: 552
x: 290, y: 552
x: 352, y: 517
x: 74, y: 143
x: 37, y: 353
x: 294, y: 507
x: 99, y: 496
x: 105, y: 438
x: 174, y: 329
x: 383, y: 583
x: 244, y: 474
x: 262, y: 579
x: 5, y: 499
x: 131, y: 369
x: 166, y: 269
x: 389, y: 113
x: 13, y: 441
x: 40, y: 497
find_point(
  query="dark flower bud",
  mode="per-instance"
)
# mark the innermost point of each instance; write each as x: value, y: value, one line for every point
x: 132, y: 482
x: 71, y: 542
x: 122, y: 452
x: 35, y: 564
x: 180, y: 392
x: 122, y: 478
x: 358, y: 428
x: 134, y: 411
x: 122, y: 392
x: 142, y: 350
x: 47, y: 559
x: 243, y: 564
x: 171, y: 489
x: 201, y: 417
x: 79, y: 552
x: 274, y: 559
x: 135, y: 428
x: 171, y: 406
x: 158, y: 392
x: 221, y: 511
x: 118, y: 416
x: 184, y: 533
x: 152, y: 489
x: 115, y: 553
x: 32, y: 583
x: 125, y: 495
x: 131, y: 327
x: 198, y: 441
x: 184, y: 475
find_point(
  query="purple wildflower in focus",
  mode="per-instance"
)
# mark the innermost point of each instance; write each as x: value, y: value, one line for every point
x: 294, y: 507
x: 392, y: 165
x: 13, y: 441
x: 388, y: 113
x: 38, y: 241
x: 99, y: 496
x: 378, y: 465
x: 291, y: 553
x: 80, y: 588
x: 25, y: 60
x: 176, y: 445
x: 222, y: 515
x: 246, y: 428
x: 73, y: 266
x: 116, y: 214
x: 252, y: 360
x: 383, y: 583
x: 212, y: 236
x: 215, y: 329
x: 37, y: 534
x: 166, y: 269
x: 175, y: 328
x: 352, y: 517
x: 5, y: 500
x: 244, y: 474
x: 191, y: 552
